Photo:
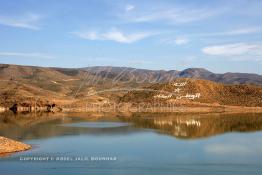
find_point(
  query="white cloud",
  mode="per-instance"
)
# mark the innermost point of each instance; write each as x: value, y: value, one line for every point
x: 230, y: 49
x: 130, y: 7
x: 240, y: 31
x: 234, y: 32
x: 239, y: 51
x: 28, y: 21
x: 113, y: 35
x: 176, y: 41
x: 27, y: 55
x: 181, y: 41
x: 171, y: 15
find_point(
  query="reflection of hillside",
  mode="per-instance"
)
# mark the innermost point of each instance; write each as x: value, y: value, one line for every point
x: 37, y: 126
x: 196, y: 126
x: 22, y: 127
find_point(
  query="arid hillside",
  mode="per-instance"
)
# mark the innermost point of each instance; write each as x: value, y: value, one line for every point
x: 198, y: 91
x: 39, y: 86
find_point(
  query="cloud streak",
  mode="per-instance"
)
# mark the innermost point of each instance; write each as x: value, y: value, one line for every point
x: 27, y: 55
x: 244, y: 51
x: 230, y: 49
x: 234, y: 32
x: 28, y: 21
x: 240, y: 31
x: 175, y: 41
x: 173, y: 15
x: 113, y: 35
x: 130, y: 7
x: 181, y: 41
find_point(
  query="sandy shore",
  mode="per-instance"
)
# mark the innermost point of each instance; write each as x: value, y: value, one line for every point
x: 10, y: 146
x: 163, y: 109
x: 144, y: 107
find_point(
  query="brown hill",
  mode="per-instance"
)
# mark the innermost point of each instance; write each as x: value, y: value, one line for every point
x: 127, y: 75
x: 198, y: 91
x: 157, y: 76
x: 40, y: 86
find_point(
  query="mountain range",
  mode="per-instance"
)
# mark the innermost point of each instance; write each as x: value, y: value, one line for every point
x: 107, y: 85
x: 127, y: 74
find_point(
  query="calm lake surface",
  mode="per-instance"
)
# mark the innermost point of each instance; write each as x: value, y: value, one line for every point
x: 137, y: 144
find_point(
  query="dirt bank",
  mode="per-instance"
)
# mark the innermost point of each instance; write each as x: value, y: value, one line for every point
x: 10, y: 146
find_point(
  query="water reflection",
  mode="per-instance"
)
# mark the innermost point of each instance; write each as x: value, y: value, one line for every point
x: 197, y: 126
x: 97, y: 124
x: 138, y: 146
x: 32, y: 126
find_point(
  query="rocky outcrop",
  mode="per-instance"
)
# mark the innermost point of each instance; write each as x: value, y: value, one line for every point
x: 10, y: 146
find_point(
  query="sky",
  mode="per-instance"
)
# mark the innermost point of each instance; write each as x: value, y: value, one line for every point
x: 221, y: 36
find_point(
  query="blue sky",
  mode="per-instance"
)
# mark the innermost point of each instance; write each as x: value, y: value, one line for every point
x: 221, y: 36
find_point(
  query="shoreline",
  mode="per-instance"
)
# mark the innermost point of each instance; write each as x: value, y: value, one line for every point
x: 205, y: 108
x: 226, y: 109
x: 9, y: 146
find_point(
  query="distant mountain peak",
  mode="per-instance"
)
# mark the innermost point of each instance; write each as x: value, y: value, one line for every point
x: 111, y: 72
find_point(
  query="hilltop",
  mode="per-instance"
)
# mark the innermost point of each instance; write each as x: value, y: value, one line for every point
x: 104, y: 74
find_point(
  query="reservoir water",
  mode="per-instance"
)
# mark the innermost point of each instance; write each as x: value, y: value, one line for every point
x: 84, y: 143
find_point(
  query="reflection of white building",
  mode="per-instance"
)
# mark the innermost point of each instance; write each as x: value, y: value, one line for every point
x: 179, y: 132
x: 189, y: 122
x: 163, y: 122
x: 177, y: 129
x: 177, y: 126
